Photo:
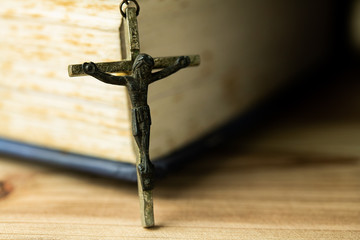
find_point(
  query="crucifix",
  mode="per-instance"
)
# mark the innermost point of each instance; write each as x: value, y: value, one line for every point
x: 138, y: 68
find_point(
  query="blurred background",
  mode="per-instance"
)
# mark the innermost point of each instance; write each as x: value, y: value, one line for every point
x: 263, y: 63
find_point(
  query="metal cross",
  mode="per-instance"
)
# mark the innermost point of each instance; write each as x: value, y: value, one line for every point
x: 138, y: 97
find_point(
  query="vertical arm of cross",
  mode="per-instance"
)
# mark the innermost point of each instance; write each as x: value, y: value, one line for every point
x: 132, y: 33
x: 145, y: 196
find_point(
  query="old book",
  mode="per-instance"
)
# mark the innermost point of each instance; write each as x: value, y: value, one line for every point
x: 248, y: 50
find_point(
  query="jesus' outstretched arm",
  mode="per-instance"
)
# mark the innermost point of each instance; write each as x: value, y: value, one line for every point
x: 91, y: 69
x: 180, y: 63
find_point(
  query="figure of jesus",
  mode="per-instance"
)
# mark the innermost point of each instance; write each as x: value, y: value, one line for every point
x: 137, y: 84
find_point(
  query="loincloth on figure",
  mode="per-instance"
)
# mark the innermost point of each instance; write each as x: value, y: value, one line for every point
x: 140, y: 116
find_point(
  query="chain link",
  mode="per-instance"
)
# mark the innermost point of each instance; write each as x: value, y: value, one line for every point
x: 127, y: 2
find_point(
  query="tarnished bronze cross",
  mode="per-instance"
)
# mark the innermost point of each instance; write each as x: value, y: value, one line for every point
x: 138, y: 68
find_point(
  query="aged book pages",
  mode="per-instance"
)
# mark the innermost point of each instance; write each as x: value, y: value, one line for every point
x: 248, y: 49
x: 39, y: 103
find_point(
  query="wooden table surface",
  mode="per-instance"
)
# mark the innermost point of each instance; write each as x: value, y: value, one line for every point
x: 295, y: 180
x: 230, y: 194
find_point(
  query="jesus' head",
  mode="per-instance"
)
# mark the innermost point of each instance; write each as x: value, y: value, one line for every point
x: 143, y: 65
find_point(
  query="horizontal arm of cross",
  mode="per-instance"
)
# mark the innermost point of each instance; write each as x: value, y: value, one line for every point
x: 125, y: 66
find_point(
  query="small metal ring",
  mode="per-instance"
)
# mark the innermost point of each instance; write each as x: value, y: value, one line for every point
x: 127, y: 2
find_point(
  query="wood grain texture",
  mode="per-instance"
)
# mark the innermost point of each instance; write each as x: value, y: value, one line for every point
x: 227, y: 194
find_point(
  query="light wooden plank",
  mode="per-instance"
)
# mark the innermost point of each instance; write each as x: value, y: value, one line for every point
x: 247, y: 197
x: 227, y: 194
